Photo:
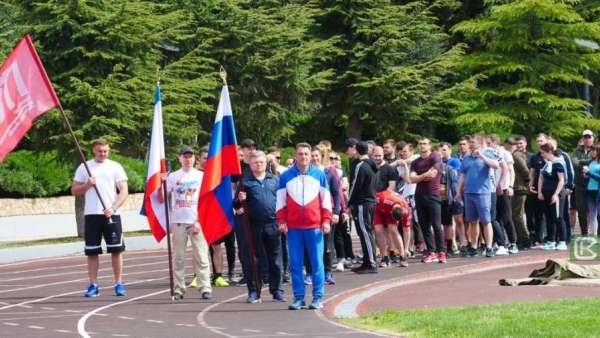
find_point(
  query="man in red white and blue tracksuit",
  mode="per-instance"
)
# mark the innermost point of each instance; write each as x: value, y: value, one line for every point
x: 303, y: 210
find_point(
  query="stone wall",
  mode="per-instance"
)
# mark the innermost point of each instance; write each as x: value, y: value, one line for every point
x: 54, y: 205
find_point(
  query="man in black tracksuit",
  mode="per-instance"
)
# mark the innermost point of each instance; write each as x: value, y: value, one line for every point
x: 362, y: 200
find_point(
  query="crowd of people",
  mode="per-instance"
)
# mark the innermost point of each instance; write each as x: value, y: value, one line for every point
x: 490, y: 197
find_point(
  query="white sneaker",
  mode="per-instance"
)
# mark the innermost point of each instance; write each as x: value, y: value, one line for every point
x: 340, y: 266
x: 549, y: 246
x: 513, y: 249
x: 562, y: 246
x: 501, y: 251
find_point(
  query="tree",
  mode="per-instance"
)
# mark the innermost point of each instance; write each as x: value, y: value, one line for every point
x: 270, y: 59
x: 393, y: 62
x: 102, y: 57
x: 525, y: 76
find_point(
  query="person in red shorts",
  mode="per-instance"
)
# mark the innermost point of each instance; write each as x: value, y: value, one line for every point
x: 390, y: 210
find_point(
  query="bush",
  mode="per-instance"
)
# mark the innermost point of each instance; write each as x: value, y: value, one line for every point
x: 135, y: 169
x: 26, y: 173
x: 34, y: 174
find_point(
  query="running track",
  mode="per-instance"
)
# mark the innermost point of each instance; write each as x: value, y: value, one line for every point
x: 43, y: 298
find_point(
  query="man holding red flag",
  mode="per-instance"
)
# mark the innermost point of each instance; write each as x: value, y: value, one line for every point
x: 107, y: 176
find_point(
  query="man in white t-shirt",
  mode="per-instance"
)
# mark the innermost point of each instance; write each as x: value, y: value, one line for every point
x: 108, y: 179
x: 183, y: 186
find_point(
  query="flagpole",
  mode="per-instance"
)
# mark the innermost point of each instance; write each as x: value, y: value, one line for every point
x: 168, y: 223
x: 82, y: 157
x: 248, y: 225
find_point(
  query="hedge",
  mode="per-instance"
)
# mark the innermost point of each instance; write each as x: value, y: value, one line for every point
x: 42, y: 174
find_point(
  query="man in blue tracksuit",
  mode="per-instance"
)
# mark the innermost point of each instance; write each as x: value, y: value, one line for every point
x: 260, y: 195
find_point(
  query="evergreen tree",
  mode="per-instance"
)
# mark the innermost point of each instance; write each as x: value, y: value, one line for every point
x: 526, y: 75
x: 392, y: 65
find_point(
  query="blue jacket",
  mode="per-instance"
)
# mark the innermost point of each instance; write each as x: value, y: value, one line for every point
x: 452, y: 167
x: 261, y: 198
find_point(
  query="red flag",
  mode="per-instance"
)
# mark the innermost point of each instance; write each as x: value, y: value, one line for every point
x: 25, y: 94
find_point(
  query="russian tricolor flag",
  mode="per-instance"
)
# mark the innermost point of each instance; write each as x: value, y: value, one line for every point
x: 152, y: 208
x: 215, y: 208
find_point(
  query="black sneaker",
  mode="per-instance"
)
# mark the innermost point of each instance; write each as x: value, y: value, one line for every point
x: 489, y: 252
x: 206, y: 295
x: 472, y: 252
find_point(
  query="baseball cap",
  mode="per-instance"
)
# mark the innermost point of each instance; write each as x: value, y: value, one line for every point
x: 186, y: 150
x: 587, y: 132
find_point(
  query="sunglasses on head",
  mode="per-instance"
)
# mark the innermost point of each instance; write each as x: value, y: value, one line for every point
x: 334, y: 158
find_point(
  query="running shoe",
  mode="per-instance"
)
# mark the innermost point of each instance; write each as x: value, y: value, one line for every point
x: 317, y: 303
x: 220, y: 282
x: 472, y: 252
x: 120, y: 290
x: 562, y: 246
x: 297, y: 305
x: 442, y: 257
x: 206, y: 295
x: 549, y: 246
x: 340, y: 266
x: 178, y: 296
x: 501, y: 251
x: 489, y: 252
x: 329, y: 278
x: 92, y: 291
x: 513, y: 249
x: 279, y: 297
x: 429, y: 258
x: 253, y: 298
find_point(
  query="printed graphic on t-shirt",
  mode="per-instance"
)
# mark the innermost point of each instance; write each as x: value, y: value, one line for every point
x: 184, y: 194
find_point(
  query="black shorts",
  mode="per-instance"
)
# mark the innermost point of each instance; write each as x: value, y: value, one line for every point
x: 96, y: 227
x: 446, y: 213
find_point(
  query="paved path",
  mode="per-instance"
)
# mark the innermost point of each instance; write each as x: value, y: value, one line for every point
x: 44, y: 298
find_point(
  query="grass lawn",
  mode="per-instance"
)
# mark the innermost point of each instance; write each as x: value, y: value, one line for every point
x: 563, y: 318
x: 5, y: 245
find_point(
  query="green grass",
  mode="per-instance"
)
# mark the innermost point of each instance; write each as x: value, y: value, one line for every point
x: 6, y: 245
x: 563, y: 318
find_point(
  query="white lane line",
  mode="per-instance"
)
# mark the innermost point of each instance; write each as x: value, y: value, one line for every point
x: 4, y: 303
x: 74, y: 272
x: 155, y: 321
x: 71, y: 293
x: 81, y: 323
x: 25, y: 306
x: 73, y: 311
x: 47, y: 308
x: 79, y: 280
x: 35, y: 327
x: 101, y: 314
x: 141, y: 253
x: 119, y: 335
x: 11, y: 324
x: 186, y: 325
x: 64, y: 331
x: 40, y: 317
x: 126, y: 318
x: 251, y: 331
x: 218, y: 330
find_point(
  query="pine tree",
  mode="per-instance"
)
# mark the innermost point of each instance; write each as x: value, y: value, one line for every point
x: 525, y: 74
x: 393, y: 63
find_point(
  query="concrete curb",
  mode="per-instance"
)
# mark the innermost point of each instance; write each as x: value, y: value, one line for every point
x: 11, y: 255
x: 345, y: 304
